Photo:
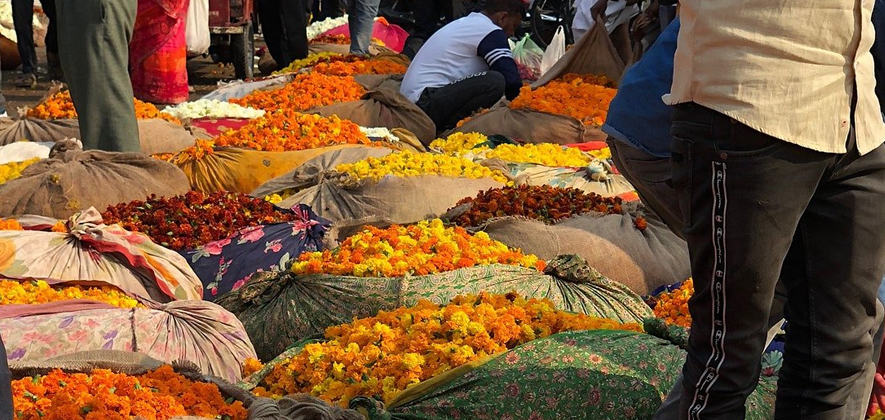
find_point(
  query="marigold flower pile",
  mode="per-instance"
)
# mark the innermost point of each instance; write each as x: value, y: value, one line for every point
x: 11, y: 224
x: 427, y: 247
x: 546, y: 154
x: 13, y: 170
x: 339, y: 40
x: 344, y: 68
x: 194, y: 219
x: 35, y: 292
x: 575, y: 96
x: 405, y: 164
x: 307, y: 91
x: 60, y: 105
x: 161, y: 395
x: 545, y: 203
x: 284, y: 131
x: 384, y: 355
x: 672, y: 307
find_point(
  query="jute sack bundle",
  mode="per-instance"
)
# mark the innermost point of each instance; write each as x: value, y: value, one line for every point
x: 642, y: 260
x: 198, y: 332
x: 601, y: 374
x: 592, y: 54
x: 243, y: 170
x: 597, y: 178
x: 278, y: 309
x: 155, y: 135
x: 71, y: 180
x: 384, y: 107
x: 530, y: 126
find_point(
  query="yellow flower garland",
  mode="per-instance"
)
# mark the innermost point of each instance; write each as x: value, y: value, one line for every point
x: 546, y: 154
x: 384, y: 355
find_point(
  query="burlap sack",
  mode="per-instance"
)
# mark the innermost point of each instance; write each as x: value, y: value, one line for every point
x: 592, y: 54
x: 641, y: 260
x: 305, y: 175
x: 597, y: 178
x: 401, y: 200
x: 374, y: 81
x: 201, y: 333
x: 71, y: 180
x: 530, y: 126
x: 384, y: 107
x: 156, y: 135
x: 242, y: 170
x: 160, y: 136
x: 37, y: 130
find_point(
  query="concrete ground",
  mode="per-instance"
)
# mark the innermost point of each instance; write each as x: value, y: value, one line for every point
x: 203, y: 76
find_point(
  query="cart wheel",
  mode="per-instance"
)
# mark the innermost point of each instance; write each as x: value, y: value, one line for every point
x: 242, y: 50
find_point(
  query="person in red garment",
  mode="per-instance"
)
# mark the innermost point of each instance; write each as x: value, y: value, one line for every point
x: 158, y: 52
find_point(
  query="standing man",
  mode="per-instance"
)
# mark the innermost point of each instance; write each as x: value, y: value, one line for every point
x: 778, y: 164
x: 23, y: 20
x: 93, y: 40
x: 361, y: 20
x: 284, y: 24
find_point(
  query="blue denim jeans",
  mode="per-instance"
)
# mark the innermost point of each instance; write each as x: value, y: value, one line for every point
x: 361, y: 19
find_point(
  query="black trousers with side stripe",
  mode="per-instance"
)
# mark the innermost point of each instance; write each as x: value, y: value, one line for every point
x: 756, y: 208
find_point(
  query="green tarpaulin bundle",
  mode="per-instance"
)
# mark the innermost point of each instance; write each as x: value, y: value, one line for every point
x: 280, y: 309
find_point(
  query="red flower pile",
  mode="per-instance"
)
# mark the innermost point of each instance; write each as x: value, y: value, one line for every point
x: 545, y: 203
x: 194, y: 219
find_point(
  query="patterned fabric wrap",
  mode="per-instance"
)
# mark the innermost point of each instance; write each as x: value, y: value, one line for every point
x: 227, y: 264
x: 158, y: 52
x: 93, y: 252
x: 600, y: 374
x: 280, y: 309
x: 199, y: 332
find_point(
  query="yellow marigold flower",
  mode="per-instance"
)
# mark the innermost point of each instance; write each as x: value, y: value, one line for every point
x: 13, y: 170
x: 458, y: 142
x: 38, y: 291
x: 541, y: 154
x: 418, y: 343
x: 404, y: 164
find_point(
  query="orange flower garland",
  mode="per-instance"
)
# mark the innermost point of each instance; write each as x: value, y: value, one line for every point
x: 427, y: 247
x: 307, y: 91
x: 61, y: 106
x: 161, y: 395
x: 281, y: 132
x: 672, y: 307
x: 341, y: 68
x: 572, y: 95
x: 10, y: 224
x: 384, y: 355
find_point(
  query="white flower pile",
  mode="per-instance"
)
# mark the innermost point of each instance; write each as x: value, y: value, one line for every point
x: 316, y: 29
x: 211, y: 108
x: 379, y: 133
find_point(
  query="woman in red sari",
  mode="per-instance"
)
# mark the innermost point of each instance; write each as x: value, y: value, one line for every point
x: 158, y: 52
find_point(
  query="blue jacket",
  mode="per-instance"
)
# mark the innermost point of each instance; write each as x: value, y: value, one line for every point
x: 637, y: 115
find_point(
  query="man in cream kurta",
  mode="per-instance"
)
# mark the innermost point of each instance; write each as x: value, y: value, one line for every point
x: 779, y: 166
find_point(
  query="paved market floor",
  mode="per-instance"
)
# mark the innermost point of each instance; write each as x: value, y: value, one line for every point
x: 203, y: 76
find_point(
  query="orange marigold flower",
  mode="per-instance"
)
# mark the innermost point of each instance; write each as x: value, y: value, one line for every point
x: 288, y: 131
x: 342, y: 68
x: 382, y: 356
x: 35, y: 292
x: 578, y: 96
x: 672, y: 307
x: 10, y: 224
x: 308, y: 90
x: 61, y: 106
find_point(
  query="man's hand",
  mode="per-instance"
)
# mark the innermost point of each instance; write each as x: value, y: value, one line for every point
x: 598, y: 9
x: 640, y: 25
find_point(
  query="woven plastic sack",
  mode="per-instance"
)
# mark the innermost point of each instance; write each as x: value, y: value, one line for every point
x: 242, y: 170
x: 600, y: 374
x: 239, y: 89
x: 280, y: 309
x: 198, y: 332
x: 96, y: 253
x: 227, y: 264
x: 643, y: 260
x: 71, y: 180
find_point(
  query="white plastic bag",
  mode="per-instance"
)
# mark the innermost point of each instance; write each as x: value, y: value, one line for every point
x: 197, y: 27
x: 554, y: 51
